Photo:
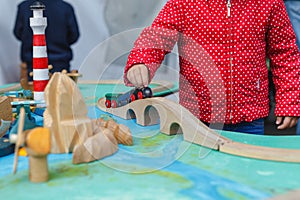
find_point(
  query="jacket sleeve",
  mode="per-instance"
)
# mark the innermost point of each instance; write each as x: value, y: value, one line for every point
x: 285, y: 62
x: 157, y: 40
x: 18, y: 27
x: 73, y: 33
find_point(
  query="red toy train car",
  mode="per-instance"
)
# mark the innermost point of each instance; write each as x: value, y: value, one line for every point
x: 114, y: 100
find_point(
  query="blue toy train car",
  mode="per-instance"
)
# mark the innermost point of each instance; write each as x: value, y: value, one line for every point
x: 114, y: 100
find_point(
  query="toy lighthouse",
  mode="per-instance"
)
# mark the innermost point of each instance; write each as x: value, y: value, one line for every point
x: 38, y: 24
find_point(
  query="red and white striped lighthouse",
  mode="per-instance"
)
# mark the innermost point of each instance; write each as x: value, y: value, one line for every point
x: 38, y: 24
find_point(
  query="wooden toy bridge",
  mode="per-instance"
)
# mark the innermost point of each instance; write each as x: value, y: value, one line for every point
x: 174, y: 118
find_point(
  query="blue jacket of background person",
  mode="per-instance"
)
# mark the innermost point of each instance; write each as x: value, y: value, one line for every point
x: 61, y: 32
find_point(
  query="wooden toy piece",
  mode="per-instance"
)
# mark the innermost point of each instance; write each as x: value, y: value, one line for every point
x: 16, y: 86
x: 291, y: 195
x: 149, y: 111
x: 5, y: 108
x: 23, y: 71
x: 20, y: 138
x: 50, y: 67
x: 26, y: 85
x: 104, y: 142
x: 37, y: 145
x: 38, y: 24
x: 20, y: 94
x: 174, y: 118
x: 120, y: 99
x: 259, y: 152
x: 5, y: 114
x: 100, y: 145
x: 74, y: 75
x: 160, y: 85
x: 66, y: 114
x: 121, y: 132
x: 24, y: 78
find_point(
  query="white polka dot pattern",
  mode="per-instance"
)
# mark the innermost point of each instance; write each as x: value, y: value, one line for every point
x: 237, y: 46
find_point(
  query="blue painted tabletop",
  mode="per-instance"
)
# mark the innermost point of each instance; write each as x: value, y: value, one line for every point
x: 157, y: 166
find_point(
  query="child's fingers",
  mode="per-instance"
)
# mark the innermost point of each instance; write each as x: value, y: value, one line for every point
x: 138, y: 75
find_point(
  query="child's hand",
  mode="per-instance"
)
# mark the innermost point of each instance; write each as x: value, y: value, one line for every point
x: 286, y: 122
x: 138, y: 75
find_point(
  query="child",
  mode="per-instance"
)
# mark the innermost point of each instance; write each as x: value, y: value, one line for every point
x: 237, y: 37
x: 61, y: 32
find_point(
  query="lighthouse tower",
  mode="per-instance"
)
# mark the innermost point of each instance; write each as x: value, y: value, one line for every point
x: 38, y: 24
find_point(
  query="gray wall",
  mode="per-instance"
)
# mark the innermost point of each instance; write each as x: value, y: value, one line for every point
x: 108, y: 29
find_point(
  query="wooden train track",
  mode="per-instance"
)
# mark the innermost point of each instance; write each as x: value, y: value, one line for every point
x: 160, y: 85
x: 193, y: 129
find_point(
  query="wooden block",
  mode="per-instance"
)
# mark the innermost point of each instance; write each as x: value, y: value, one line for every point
x: 66, y: 114
x: 121, y: 132
x: 100, y: 145
x: 5, y: 108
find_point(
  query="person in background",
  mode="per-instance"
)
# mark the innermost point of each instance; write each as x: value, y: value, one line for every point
x: 293, y: 9
x: 61, y: 32
x: 238, y: 36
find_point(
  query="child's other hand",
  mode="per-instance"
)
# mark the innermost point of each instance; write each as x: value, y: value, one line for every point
x: 286, y: 122
x: 138, y: 75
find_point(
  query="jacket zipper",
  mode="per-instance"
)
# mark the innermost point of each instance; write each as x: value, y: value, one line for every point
x: 230, y: 59
x: 228, y: 8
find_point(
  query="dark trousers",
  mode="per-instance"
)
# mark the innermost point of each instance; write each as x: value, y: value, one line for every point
x: 254, y: 127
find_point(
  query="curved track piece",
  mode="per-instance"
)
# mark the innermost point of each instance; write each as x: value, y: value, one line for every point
x: 194, y: 130
x: 161, y: 85
x: 292, y: 195
x: 170, y: 114
x: 17, y: 86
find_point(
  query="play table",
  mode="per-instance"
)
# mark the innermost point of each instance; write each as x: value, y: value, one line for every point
x: 157, y: 166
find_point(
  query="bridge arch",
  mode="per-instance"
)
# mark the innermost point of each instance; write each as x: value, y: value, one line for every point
x: 173, y: 116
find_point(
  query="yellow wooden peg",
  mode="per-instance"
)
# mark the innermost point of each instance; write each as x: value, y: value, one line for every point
x: 38, y: 145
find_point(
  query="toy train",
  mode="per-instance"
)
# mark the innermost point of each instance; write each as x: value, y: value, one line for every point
x: 114, y: 100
